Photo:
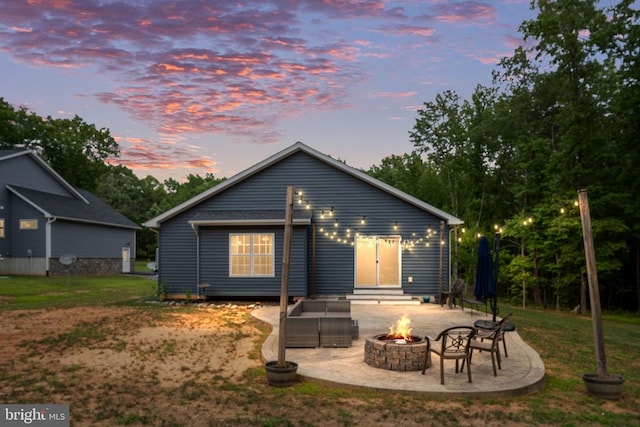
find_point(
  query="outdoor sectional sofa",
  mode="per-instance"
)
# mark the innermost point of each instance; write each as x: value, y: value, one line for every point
x: 320, y: 323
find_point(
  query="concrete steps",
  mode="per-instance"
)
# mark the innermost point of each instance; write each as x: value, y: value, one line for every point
x: 382, y: 296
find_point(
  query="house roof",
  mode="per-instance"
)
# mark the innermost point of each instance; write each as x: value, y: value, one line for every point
x: 295, y: 148
x: 93, y: 211
x: 8, y: 153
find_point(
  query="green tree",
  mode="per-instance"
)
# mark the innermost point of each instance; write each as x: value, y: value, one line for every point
x: 563, y: 115
x: 178, y: 192
x: 568, y: 82
x: 622, y: 46
x: 412, y: 175
x: 457, y: 138
x: 135, y: 198
x: 73, y: 148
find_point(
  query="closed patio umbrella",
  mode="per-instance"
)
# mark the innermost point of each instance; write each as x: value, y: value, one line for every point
x: 485, y: 287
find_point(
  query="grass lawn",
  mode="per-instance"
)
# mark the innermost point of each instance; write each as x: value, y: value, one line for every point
x: 197, y: 395
x: 31, y: 292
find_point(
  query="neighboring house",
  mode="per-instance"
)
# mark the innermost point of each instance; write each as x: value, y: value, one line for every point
x: 351, y: 234
x: 48, y: 227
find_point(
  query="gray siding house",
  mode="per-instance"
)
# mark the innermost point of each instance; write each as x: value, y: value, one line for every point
x: 352, y: 234
x: 48, y: 227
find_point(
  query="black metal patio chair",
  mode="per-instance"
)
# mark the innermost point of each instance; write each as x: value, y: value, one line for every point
x: 451, y: 344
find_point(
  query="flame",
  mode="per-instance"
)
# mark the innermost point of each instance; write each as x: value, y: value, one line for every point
x: 402, y: 329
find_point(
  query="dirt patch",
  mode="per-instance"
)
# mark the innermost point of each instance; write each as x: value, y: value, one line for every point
x: 200, y: 366
x: 84, y: 355
x: 174, y: 353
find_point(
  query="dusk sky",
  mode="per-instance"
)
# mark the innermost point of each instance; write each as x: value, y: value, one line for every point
x: 206, y: 86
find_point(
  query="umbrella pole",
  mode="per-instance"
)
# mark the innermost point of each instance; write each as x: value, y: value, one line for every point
x: 496, y: 265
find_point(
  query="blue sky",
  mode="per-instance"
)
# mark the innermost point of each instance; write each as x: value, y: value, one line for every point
x: 206, y: 86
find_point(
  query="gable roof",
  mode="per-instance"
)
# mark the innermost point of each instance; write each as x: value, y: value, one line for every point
x: 94, y: 211
x: 6, y: 154
x: 295, y: 148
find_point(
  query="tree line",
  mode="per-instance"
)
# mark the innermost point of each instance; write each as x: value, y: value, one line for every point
x: 80, y: 151
x: 562, y: 114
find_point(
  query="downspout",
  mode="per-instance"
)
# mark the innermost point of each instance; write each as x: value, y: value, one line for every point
x: 453, y: 246
x: 195, y: 230
x: 157, y: 260
x: 441, y: 244
x: 47, y: 243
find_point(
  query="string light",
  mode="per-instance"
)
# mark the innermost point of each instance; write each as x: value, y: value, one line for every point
x: 350, y: 235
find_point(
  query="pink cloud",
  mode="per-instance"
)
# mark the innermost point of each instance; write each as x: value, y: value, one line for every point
x: 464, y: 12
x: 145, y: 155
x: 414, y: 30
x: 203, y: 66
x: 345, y: 8
x: 197, y: 66
x: 394, y: 95
x: 512, y: 41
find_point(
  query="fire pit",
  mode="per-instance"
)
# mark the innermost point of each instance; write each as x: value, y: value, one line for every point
x: 397, y: 350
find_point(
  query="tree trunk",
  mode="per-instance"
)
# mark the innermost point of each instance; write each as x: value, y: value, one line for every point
x: 524, y: 280
x: 638, y: 271
x: 539, y: 291
x: 557, y: 289
x: 583, y: 295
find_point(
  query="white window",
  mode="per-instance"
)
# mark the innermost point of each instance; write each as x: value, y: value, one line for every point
x: 251, y: 255
x: 28, y: 224
x: 1, y: 227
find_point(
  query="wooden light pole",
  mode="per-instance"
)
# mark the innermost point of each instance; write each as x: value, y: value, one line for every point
x: 284, y: 284
x: 594, y: 289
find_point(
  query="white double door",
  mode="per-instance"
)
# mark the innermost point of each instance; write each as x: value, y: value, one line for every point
x: 378, y: 260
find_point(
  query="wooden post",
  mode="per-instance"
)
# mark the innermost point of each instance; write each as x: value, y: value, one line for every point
x: 594, y: 291
x: 313, y: 260
x: 284, y: 286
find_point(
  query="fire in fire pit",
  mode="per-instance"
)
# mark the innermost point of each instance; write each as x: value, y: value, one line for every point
x: 398, y: 350
x: 402, y: 331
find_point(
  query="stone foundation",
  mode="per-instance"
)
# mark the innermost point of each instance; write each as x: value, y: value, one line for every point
x: 88, y: 266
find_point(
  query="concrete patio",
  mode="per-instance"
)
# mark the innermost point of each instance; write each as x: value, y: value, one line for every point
x: 522, y: 372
